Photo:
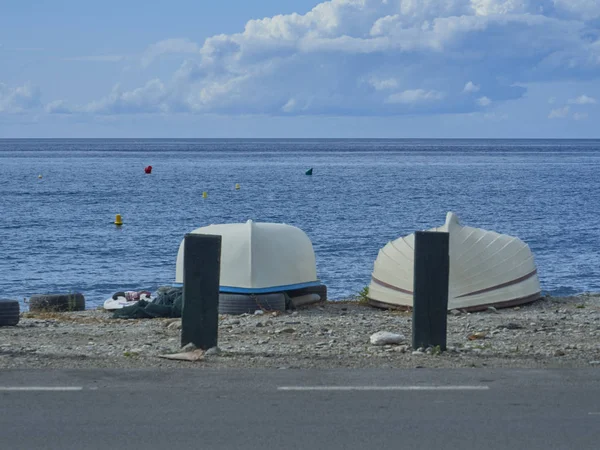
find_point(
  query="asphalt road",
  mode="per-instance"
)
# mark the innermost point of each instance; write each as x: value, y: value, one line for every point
x: 298, y: 409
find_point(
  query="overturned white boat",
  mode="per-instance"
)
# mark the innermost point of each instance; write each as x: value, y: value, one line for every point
x: 261, y: 258
x: 486, y: 269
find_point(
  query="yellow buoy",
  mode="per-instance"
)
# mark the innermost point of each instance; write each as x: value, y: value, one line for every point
x: 118, y: 220
x: 39, y: 176
x: 204, y: 194
x: 237, y: 185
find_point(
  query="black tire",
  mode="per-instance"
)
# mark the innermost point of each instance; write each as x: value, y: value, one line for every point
x: 57, y: 303
x: 242, y: 303
x: 321, y: 290
x: 9, y: 312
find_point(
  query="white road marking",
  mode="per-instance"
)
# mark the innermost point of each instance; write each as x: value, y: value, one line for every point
x: 594, y: 413
x: 40, y: 388
x: 383, y: 388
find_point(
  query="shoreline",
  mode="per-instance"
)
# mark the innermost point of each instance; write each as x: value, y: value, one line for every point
x: 553, y: 332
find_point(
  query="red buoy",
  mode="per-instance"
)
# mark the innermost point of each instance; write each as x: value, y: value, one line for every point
x: 148, y: 169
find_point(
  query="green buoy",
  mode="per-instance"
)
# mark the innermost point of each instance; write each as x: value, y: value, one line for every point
x: 309, y: 171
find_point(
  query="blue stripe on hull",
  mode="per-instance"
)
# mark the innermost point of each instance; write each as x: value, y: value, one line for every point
x: 266, y: 290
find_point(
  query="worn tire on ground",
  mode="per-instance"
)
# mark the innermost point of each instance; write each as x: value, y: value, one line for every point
x: 321, y: 290
x: 57, y: 302
x: 9, y: 312
x: 243, y: 303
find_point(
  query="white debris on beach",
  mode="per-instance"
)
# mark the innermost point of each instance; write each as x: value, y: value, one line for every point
x: 552, y: 332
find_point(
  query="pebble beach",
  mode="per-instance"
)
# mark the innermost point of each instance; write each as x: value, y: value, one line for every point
x: 553, y: 332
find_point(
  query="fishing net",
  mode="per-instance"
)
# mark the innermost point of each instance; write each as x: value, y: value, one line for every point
x: 168, y: 303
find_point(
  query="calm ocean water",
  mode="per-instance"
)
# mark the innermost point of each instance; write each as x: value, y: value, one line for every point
x: 56, y: 233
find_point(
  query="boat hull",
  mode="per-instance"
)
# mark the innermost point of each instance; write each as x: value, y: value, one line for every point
x: 260, y: 258
x: 486, y: 269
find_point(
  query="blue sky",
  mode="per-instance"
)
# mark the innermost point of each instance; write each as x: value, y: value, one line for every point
x: 299, y: 68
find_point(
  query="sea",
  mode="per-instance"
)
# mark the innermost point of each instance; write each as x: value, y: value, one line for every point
x: 59, y: 198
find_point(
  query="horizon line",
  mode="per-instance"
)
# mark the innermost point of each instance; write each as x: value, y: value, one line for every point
x: 309, y: 138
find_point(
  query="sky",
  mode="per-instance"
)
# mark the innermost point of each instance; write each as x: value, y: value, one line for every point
x: 300, y: 69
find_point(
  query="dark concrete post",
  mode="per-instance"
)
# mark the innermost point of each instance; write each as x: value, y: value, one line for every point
x: 430, y: 291
x: 201, y: 276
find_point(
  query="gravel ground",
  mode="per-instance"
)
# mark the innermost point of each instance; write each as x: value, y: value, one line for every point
x: 552, y: 332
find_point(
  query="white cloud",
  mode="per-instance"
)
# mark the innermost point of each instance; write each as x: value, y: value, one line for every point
x: 471, y: 87
x: 493, y: 7
x: 580, y: 116
x: 62, y: 107
x: 383, y: 84
x: 153, y: 97
x: 150, y: 98
x: 289, y: 106
x: 583, y: 9
x: 19, y: 99
x: 58, y: 107
x: 169, y: 46
x: 552, y: 100
x: 484, y: 101
x: 582, y: 100
x: 370, y: 57
x: 414, y: 96
x: 559, y: 113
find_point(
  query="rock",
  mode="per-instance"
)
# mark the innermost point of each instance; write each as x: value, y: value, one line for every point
x: 213, y: 351
x: 401, y: 348
x: 418, y: 353
x: 385, y: 337
x: 285, y: 330
x: 511, y: 326
x: 559, y: 353
x: 492, y: 310
x: 170, y: 321
x: 174, y: 325
x: 477, y: 335
x: 260, y: 324
x: 259, y: 312
x: 594, y: 363
x: 455, y: 312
